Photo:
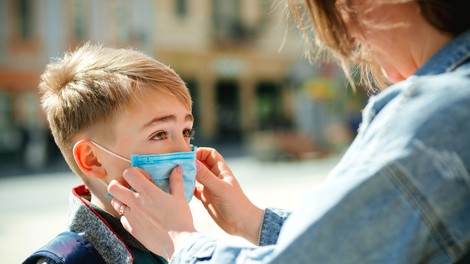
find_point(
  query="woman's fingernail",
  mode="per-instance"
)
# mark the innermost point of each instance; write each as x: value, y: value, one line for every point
x: 198, y: 165
x: 129, y: 172
x: 178, y: 169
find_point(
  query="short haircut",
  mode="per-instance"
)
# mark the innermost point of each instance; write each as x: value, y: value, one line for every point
x: 85, y: 90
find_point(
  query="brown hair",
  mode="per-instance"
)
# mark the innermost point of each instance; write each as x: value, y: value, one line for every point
x: 322, y: 21
x: 84, y: 90
x: 449, y: 16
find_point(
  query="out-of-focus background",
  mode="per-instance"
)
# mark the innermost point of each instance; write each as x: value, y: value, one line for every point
x: 280, y: 121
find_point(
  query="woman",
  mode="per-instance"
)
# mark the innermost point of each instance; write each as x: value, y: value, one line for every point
x: 401, y: 193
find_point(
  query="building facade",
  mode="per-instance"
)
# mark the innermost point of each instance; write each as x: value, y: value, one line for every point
x: 240, y: 59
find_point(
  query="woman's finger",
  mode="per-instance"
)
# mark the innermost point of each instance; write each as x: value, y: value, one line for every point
x: 208, y: 156
x: 205, y: 177
x: 126, y: 225
x: 176, y: 182
x: 214, y: 161
x: 121, y: 193
x: 139, y: 180
x: 116, y: 204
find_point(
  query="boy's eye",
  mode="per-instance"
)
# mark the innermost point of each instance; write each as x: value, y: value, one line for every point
x: 160, y: 136
x: 189, y: 133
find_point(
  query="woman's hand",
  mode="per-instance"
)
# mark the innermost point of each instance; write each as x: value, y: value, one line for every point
x: 223, y: 197
x: 160, y: 221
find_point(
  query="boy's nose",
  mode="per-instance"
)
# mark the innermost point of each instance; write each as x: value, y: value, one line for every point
x: 181, y: 145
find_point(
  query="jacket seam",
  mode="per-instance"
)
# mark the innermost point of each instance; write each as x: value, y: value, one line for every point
x: 417, y: 200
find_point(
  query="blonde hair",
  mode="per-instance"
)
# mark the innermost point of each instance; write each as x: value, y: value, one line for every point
x: 84, y: 90
x: 323, y: 28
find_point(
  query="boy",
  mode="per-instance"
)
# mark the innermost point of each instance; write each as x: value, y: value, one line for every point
x: 104, y: 105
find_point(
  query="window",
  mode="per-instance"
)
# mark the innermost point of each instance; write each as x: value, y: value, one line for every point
x: 10, y: 138
x: 79, y: 25
x: 24, y: 11
x: 226, y: 20
x: 269, y: 105
x: 228, y: 111
x: 181, y: 8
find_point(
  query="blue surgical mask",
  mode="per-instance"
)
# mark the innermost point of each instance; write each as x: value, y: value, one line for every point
x: 160, y: 166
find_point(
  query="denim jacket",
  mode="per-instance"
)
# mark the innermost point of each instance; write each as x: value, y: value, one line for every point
x: 400, y: 194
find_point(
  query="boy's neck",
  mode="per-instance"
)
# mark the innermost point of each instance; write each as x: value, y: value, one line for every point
x: 98, y: 197
x: 104, y: 203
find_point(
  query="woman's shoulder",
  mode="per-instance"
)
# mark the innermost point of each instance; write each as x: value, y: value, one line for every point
x: 455, y: 82
x: 436, y: 109
x: 433, y: 110
x: 445, y: 96
x: 423, y: 99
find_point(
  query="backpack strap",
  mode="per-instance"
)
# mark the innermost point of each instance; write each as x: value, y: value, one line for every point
x: 67, y: 248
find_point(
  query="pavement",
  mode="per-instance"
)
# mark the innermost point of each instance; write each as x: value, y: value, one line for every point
x: 34, y: 206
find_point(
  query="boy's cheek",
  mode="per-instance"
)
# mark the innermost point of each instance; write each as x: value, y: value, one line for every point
x: 115, y: 170
x: 122, y: 181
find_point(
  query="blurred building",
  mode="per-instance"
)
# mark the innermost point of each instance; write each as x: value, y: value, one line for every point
x: 228, y: 51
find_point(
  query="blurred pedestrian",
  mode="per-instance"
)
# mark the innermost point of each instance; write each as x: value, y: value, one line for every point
x: 401, y: 193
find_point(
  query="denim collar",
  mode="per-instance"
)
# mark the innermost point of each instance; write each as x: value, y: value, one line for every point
x: 447, y: 59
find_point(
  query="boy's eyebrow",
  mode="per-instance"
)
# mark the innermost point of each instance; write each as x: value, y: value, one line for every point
x: 167, y: 118
x: 189, y: 117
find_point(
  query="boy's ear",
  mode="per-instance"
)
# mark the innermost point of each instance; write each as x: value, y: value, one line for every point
x: 85, y: 156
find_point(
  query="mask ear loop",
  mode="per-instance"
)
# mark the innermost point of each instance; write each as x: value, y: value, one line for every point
x: 108, y: 195
x: 109, y: 152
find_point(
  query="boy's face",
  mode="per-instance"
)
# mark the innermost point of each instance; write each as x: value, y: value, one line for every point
x: 156, y: 123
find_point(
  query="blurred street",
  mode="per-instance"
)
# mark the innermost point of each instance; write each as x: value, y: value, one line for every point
x: 34, y: 207
x: 273, y: 114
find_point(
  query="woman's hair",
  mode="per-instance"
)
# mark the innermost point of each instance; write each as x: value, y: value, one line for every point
x: 85, y: 90
x: 322, y: 25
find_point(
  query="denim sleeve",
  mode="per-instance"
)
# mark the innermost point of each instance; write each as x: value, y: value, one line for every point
x: 199, y: 248
x: 273, y: 220
x: 367, y: 220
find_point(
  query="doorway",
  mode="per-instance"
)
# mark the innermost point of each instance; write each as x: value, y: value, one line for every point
x: 228, y: 111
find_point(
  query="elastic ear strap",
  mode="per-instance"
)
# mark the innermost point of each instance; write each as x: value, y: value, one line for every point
x: 109, y: 152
